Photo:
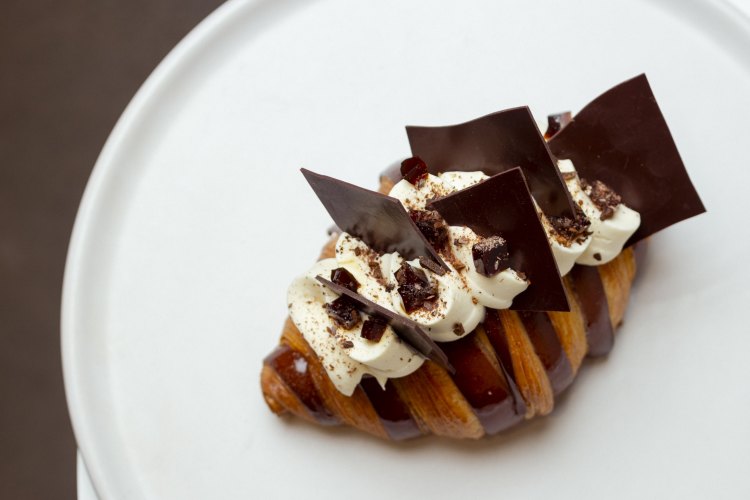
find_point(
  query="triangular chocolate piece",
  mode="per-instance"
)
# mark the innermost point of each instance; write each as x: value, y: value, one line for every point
x: 622, y: 139
x: 502, y: 205
x: 407, y: 330
x: 378, y: 220
x: 493, y: 144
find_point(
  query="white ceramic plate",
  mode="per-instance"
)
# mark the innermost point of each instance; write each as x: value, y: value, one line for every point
x: 196, y: 219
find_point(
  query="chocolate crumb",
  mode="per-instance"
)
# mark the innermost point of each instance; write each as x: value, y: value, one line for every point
x: 342, y: 277
x: 432, y: 226
x: 347, y: 344
x: 598, y: 256
x: 603, y: 196
x: 474, y: 300
x: 490, y: 255
x: 415, y: 288
x: 568, y: 176
x: 343, y: 312
x: 413, y: 169
x: 357, y: 251
x: 431, y: 265
x: 568, y: 230
x: 457, y: 264
x: 458, y: 329
x: 373, y: 329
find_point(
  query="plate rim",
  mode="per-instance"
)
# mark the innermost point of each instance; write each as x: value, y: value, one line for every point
x: 179, y: 57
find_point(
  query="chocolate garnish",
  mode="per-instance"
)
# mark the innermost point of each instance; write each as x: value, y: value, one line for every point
x: 414, y: 287
x: 622, y: 139
x: 378, y: 220
x: 406, y: 329
x: 413, y: 169
x: 493, y: 144
x: 373, y: 329
x: 342, y: 277
x: 503, y: 205
x: 343, y: 312
x: 433, y: 227
x: 490, y: 256
x: 569, y: 230
x: 602, y: 196
x: 428, y: 264
x: 557, y: 121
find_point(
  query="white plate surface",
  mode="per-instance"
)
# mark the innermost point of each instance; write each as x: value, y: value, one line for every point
x: 196, y: 219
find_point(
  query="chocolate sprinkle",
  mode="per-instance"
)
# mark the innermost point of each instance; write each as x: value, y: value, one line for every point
x: 503, y: 205
x: 622, y: 139
x: 342, y: 277
x: 428, y: 264
x: 343, y: 312
x: 490, y: 256
x: 602, y: 196
x: 493, y: 144
x: 458, y: 329
x: 432, y: 226
x: 378, y: 220
x: 414, y: 287
x: 407, y: 330
x: 569, y: 230
x: 373, y: 329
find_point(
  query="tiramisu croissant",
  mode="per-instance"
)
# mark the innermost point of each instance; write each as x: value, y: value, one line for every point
x: 462, y: 297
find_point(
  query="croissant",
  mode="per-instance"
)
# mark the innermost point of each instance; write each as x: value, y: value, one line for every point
x: 516, y: 361
x: 510, y: 369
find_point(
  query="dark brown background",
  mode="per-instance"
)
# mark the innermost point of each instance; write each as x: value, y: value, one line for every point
x: 67, y: 70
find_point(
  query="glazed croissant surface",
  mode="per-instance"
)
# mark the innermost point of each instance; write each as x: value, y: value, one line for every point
x: 508, y: 370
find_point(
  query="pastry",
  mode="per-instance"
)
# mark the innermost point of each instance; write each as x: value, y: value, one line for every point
x: 462, y: 298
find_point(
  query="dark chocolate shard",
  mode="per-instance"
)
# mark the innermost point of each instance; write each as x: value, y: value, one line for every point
x: 415, y: 287
x: 503, y: 205
x: 493, y: 144
x: 491, y: 256
x: 432, y: 226
x: 344, y: 312
x: 373, y: 329
x: 407, y: 330
x: 413, y: 169
x: 622, y: 139
x: 556, y: 122
x: 378, y: 220
x: 342, y: 277
x: 602, y: 196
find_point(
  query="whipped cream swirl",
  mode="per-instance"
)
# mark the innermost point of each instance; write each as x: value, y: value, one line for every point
x: 608, y: 234
x: 462, y: 292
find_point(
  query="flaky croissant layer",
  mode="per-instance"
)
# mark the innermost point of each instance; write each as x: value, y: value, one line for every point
x: 508, y: 370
